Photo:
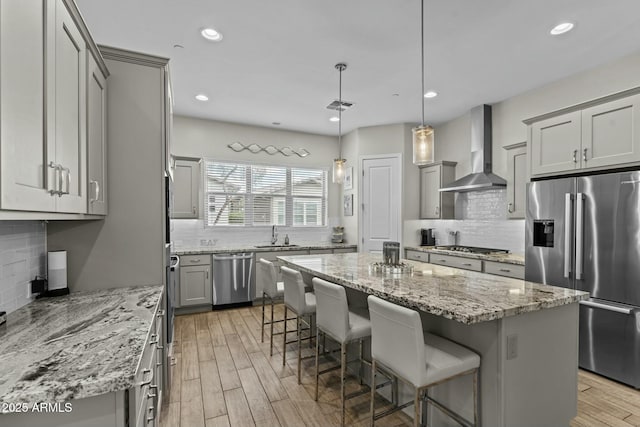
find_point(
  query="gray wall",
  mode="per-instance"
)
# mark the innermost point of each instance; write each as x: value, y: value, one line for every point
x: 374, y: 140
x: 127, y: 247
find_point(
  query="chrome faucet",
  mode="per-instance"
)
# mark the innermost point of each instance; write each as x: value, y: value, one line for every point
x: 274, y: 235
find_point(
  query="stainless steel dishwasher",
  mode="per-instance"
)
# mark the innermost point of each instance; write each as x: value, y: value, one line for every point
x: 232, y: 278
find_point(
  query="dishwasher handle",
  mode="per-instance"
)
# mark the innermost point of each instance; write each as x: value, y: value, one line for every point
x: 232, y: 257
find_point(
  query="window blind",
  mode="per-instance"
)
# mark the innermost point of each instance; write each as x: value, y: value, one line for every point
x: 262, y: 195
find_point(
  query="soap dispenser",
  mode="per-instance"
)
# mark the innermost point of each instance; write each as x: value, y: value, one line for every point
x: 286, y: 239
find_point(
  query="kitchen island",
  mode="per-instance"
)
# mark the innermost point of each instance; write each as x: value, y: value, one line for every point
x: 526, y: 333
x: 79, y: 358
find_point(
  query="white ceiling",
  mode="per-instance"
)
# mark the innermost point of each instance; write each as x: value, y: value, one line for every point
x: 276, y: 62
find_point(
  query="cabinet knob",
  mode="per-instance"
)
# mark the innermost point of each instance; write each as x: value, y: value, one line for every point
x: 510, y: 208
x: 584, y: 155
x: 437, y: 210
x: 194, y: 210
x: 575, y: 156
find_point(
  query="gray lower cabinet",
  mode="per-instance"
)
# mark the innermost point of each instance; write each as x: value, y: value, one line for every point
x: 456, y: 262
x: 416, y: 255
x: 504, y: 269
x: 195, y: 285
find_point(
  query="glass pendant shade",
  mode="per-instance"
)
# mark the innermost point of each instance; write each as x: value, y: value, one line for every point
x: 423, y: 145
x: 338, y: 171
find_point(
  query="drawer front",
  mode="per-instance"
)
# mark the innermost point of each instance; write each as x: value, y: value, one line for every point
x: 457, y: 262
x: 503, y: 269
x: 344, y: 250
x: 417, y: 256
x: 204, y: 259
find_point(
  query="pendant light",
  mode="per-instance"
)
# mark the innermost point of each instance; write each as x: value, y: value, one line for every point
x: 338, y: 164
x: 423, y: 143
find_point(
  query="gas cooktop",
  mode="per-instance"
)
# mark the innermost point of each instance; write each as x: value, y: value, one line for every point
x: 472, y: 249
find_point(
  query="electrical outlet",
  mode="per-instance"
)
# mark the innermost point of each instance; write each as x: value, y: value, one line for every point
x: 512, y: 346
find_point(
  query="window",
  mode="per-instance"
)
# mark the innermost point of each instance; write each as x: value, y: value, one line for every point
x: 262, y: 195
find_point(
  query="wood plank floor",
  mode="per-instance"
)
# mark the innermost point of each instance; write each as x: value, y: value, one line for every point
x: 224, y: 377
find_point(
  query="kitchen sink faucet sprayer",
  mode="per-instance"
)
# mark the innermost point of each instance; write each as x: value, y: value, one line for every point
x: 274, y: 235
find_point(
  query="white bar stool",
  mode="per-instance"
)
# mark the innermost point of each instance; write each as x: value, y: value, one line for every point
x: 333, y: 318
x: 271, y: 290
x: 399, y: 345
x: 302, y: 304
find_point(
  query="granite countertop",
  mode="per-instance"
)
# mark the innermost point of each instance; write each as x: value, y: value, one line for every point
x: 497, y: 257
x: 196, y: 250
x: 76, y: 346
x: 465, y: 296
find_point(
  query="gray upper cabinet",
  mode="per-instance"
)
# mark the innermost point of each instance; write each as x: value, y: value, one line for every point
x: 591, y: 136
x: 96, y: 139
x: 25, y: 176
x: 555, y: 144
x: 433, y: 203
x: 43, y: 100
x: 517, y: 178
x: 186, y: 185
x: 66, y: 94
x: 611, y: 133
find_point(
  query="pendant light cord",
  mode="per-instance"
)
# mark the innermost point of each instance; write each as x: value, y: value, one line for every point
x: 422, y: 55
x: 340, y: 116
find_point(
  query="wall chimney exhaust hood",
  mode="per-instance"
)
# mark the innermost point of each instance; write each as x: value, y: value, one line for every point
x: 481, y: 176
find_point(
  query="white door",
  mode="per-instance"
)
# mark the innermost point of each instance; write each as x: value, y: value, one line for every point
x: 381, y: 201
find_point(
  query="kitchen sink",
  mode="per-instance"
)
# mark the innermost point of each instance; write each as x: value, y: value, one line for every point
x: 276, y: 246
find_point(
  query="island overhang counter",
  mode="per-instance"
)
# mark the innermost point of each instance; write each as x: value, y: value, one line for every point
x: 526, y: 333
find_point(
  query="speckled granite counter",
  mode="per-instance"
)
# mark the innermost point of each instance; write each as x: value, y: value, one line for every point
x: 76, y: 346
x: 465, y: 296
x: 506, y: 258
x: 252, y: 248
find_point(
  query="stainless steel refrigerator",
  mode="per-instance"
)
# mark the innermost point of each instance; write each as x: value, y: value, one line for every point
x: 584, y: 233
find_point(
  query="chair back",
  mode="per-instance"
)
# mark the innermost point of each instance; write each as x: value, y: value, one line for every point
x: 293, y: 289
x: 397, y: 339
x: 332, y: 310
x: 268, y: 277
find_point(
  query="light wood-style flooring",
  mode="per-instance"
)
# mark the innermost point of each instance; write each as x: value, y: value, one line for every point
x: 223, y: 376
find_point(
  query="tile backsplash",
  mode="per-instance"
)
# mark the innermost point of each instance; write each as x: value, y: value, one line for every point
x: 481, y: 220
x: 22, y: 257
x: 193, y: 233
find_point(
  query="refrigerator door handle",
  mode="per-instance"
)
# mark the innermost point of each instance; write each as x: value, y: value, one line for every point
x: 579, y: 234
x: 613, y: 308
x: 567, y: 235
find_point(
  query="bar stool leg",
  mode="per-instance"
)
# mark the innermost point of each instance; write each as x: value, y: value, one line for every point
x: 284, y: 337
x: 476, y: 398
x: 416, y: 408
x: 271, y: 325
x: 262, y: 329
x: 298, y: 321
x: 343, y: 369
x: 373, y: 390
x: 361, y: 369
x: 425, y: 408
x: 317, y: 361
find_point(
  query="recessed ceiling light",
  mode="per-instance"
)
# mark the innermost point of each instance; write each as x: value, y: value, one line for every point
x: 334, y: 119
x: 211, y: 34
x: 561, y: 28
x: 431, y: 94
x: 202, y: 97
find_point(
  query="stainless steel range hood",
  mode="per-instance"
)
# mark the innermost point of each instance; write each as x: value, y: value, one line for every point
x: 481, y: 176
